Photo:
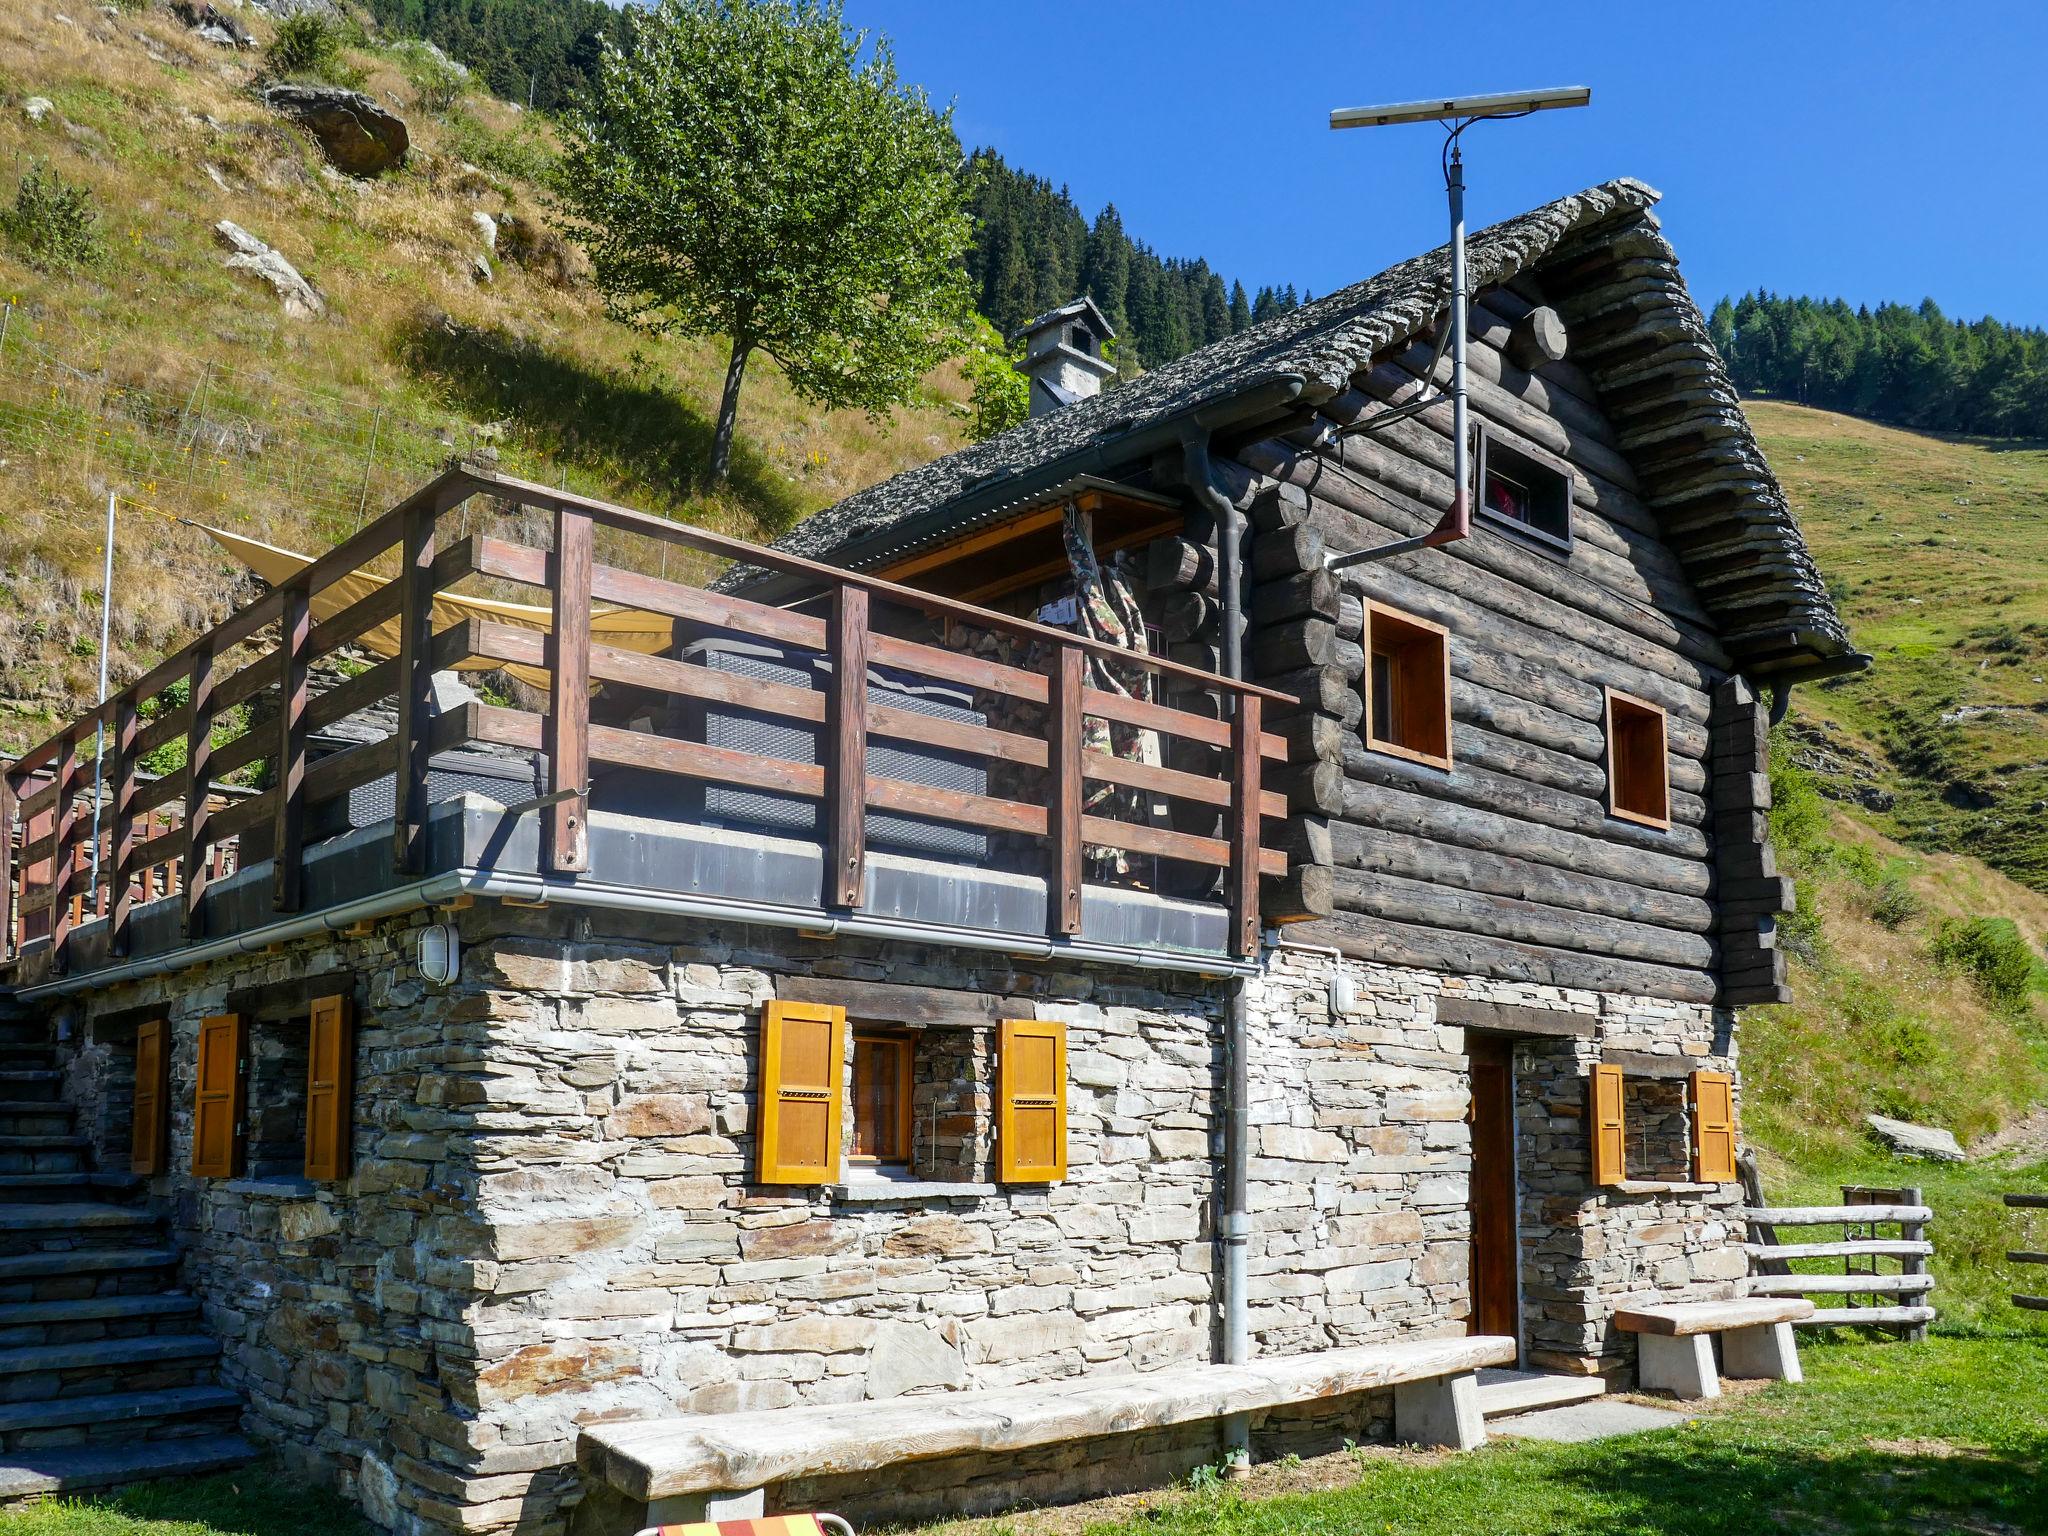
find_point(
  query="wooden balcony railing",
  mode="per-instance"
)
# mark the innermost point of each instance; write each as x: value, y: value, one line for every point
x: 860, y: 620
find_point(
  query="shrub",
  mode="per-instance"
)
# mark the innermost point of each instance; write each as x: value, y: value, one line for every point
x: 308, y: 46
x: 1001, y: 396
x: 1894, y: 904
x: 1996, y: 956
x: 525, y: 240
x: 53, y: 223
x: 1799, y: 816
x: 437, y: 80
x: 524, y: 153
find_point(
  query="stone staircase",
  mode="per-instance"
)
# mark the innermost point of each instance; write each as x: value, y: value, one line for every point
x: 106, y: 1371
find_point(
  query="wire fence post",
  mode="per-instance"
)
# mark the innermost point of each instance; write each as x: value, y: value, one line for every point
x: 369, y: 460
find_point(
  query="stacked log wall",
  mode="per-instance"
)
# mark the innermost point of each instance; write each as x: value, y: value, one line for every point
x: 1509, y: 865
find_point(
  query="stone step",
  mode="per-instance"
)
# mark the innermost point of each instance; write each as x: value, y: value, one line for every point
x: 43, y: 1154
x: 77, y: 1184
x: 84, y: 1261
x: 41, y: 1085
x: 95, y: 1215
x: 65, y: 1226
x: 112, y: 1415
x: 1504, y: 1393
x: 20, y: 1266
x: 37, y: 1474
x: 94, y: 1367
x: 97, y: 1311
x: 25, y: 1118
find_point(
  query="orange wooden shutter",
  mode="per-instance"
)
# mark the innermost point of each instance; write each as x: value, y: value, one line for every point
x: 1031, y: 1074
x: 1604, y: 1117
x: 1713, y: 1127
x: 217, y: 1097
x: 152, y: 1086
x: 330, y: 1059
x: 803, y: 1061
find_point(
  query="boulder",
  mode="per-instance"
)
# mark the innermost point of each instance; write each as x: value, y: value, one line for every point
x: 300, y: 300
x: 37, y: 108
x: 357, y: 136
x: 1910, y: 1140
x: 486, y: 228
x: 212, y: 25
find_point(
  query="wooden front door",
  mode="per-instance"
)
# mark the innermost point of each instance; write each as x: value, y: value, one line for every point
x: 1496, y: 1263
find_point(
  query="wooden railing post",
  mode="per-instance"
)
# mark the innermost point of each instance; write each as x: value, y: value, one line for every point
x: 415, y: 690
x: 1244, y: 826
x: 10, y: 869
x: 288, y: 819
x: 1912, y: 1264
x: 565, y: 735
x: 1063, y: 814
x: 64, y: 852
x: 121, y: 839
x: 198, y: 772
x: 846, y: 755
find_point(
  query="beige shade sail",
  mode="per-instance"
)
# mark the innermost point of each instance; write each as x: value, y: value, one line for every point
x: 630, y: 629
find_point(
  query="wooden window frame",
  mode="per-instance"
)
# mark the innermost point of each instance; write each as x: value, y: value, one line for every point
x: 903, y: 1043
x: 1378, y: 614
x: 1626, y: 712
x: 1493, y: 442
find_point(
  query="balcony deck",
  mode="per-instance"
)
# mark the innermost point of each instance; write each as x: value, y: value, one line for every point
x: 624, y: 773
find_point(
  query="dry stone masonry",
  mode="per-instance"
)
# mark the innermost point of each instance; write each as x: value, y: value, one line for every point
x: 552, y: 1219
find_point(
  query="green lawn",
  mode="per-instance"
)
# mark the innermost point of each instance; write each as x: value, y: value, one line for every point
x: 1948, y: 1436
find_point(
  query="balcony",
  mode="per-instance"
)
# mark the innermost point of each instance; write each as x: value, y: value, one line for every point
x: 864, y: 759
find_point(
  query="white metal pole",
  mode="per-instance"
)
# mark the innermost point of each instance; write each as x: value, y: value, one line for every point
x: 99, y: 746
x: 1461, y: 437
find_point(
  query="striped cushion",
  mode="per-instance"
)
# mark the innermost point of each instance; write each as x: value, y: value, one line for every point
x: 767, y: 1525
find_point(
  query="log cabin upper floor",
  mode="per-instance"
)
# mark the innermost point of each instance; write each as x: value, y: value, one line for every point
x: 1536, y: 755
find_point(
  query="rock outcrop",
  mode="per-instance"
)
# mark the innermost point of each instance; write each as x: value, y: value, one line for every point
x: 355, y: 134
x: 1910, y: 1140
x: 300, y: 299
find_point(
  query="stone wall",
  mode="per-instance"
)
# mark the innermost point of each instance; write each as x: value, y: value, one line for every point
x: 342, y: 1308
x: 552, y: 1216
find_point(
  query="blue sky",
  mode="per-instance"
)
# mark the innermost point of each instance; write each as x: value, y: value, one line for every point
x: 1877, y: 151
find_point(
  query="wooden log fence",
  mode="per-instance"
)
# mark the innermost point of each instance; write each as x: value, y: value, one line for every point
x: 2033, y: 1253
x: 175, y: 833
x: 1865, y: 1293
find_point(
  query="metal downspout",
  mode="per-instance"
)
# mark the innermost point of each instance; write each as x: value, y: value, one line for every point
x: 1236, y: 1225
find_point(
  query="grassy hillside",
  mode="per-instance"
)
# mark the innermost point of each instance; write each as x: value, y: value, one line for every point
x: 160, y: 373
x: 1937, y: 551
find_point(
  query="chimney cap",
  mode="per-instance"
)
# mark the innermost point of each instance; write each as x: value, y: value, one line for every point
x: 1073, y: 309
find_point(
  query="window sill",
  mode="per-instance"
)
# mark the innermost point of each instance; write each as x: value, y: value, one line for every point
x: 276, y: 1187
x: 1661, y: 1187
x: 889, y: 1191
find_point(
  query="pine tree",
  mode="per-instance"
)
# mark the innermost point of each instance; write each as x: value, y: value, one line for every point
x: 1240, y: 309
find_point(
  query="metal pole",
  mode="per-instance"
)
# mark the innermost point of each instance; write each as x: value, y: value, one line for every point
x: 1461, y: 438
x: 99, y: 745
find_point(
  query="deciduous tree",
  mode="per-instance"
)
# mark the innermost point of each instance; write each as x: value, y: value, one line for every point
x: 752, y: 169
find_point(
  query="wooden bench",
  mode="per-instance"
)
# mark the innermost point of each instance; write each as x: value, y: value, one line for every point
x: 1675, y: 1344
x: 720, y: 1466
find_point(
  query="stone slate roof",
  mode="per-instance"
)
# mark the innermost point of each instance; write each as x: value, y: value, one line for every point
x: 1605, y: 263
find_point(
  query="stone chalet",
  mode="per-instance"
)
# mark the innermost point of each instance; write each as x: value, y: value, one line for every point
x: 1045, y: 978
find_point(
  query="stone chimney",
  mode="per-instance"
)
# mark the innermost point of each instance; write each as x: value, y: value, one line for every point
x: 1063, y: 355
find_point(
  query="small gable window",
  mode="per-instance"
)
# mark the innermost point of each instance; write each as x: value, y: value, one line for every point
x: 1407, y: 686
x: 1526, y: 494
x: 1638, y: 781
